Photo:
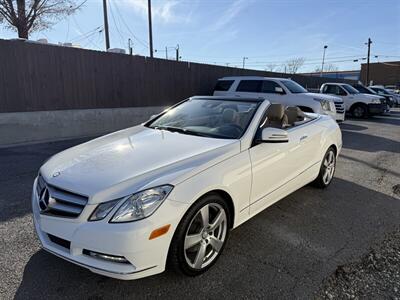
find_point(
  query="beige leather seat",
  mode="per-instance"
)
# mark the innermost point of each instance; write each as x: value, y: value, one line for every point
x: 294, y: 114
x: 276, y: 116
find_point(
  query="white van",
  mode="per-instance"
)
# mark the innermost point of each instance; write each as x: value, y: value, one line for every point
x: 281, y: 90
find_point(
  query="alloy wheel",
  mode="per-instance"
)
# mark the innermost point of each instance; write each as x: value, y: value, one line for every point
x: 359, y: 112
x: 205, y: 236
x: 329, y: 167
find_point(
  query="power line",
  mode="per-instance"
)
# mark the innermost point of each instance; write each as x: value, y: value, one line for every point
x: 145, y: 44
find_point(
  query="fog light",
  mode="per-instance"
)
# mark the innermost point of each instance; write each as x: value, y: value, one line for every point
x: 108, y: 257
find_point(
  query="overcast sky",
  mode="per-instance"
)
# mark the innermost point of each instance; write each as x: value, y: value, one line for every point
x: 224, y: 31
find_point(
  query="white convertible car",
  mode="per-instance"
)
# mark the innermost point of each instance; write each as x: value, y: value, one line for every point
x: 168, y: 192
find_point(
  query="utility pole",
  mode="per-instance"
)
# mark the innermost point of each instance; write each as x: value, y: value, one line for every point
x: 177, y: 52
x: 369, y: 53
x: 244, y: 59
x: 323, y: 61
x: 130, y: 46
x: 106, y: 24
x: 166, y: 52
x: 150, y: 28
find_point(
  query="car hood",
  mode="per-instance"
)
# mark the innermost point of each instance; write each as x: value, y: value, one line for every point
x: 368, y: 96
x: 324, y: 97
x: 136, y: 158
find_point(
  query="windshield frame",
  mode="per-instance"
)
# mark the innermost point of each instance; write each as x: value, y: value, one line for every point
x: 257, y: 103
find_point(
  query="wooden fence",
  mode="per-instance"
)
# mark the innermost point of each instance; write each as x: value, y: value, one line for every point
x: 40, y: 77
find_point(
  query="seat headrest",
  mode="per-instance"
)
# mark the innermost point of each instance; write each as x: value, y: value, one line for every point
x: 229, y: 115
x: 276, y: 112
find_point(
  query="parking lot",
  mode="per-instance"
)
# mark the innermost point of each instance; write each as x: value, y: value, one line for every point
x: 287, y: 251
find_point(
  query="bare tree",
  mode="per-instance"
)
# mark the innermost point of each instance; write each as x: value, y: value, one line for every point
x: 26, y: 16
x: 271, y: 67
x: 293, y: 65
x: 327, y: 68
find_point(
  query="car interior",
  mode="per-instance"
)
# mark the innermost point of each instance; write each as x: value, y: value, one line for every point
x: 277, y: 116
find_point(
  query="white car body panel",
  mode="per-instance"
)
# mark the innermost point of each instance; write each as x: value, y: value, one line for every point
x: 125, y: 162
x: 287, y: 99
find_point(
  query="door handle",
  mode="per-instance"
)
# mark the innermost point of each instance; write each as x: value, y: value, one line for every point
x: 304, y: 137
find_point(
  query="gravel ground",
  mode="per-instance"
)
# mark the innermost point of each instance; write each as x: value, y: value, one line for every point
x: 375, y: 276
x: 285, y: 252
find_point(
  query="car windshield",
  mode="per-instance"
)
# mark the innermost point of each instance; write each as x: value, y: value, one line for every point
x: 294, y: 87
x: 350, y: 89
x: 364, y: 90
x: 208, y: 117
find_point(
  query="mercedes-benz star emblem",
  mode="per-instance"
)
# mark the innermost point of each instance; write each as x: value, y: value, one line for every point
x: 44, y: 199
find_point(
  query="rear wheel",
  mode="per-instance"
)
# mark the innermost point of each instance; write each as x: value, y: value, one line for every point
x: 359, y: 111
x: 327, y: 169
x: 201, y: 236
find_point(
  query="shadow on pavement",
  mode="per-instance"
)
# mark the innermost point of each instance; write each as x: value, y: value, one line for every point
x: 285, y: 251
x: 347, y: 126
x: 368, y: 143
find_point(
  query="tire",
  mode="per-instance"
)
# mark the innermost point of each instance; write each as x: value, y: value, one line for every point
x: 329, y: 161
x: 185, y: 253
x: 359, y: 111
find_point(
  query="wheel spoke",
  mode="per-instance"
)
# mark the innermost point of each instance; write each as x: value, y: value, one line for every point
x: 198, y: 261
x: 326, y: 163
x: 205, y: 216
x: 325, y: 177
x: 218, y: 220
x: 192, y: 240
x: 215, y: 243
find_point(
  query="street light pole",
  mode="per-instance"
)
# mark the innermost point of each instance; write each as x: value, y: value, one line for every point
x: 150, y: 28
x: 106, y: 25
x: 369, y: 53
x: 323, y: 60
x: 244, y: 59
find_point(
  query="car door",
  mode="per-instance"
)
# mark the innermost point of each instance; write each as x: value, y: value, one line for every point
x: 276, y: 165
x: 337, y: 90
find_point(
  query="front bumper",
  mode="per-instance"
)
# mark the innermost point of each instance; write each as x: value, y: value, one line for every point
x: 129, y: 240
x: 376, y: 109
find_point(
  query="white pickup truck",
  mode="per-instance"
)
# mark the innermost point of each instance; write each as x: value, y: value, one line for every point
x: 281, y: 90
x: 358, y: 104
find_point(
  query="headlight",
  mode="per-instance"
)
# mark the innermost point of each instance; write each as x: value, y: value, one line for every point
x: 326, y: 104
x: 376, y: 101
x: 102, y: 210
x: 141, y: 205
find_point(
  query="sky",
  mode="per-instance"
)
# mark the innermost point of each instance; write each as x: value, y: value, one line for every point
x: 267, y: 32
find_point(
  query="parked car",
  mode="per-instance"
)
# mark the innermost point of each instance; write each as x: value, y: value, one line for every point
x: 281, y: 90
x: 380, y: 90
x: 171, y: 189
x: 359, y: 105
x: 365, y: 90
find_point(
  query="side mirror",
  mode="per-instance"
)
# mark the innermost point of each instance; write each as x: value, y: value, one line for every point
x: 274, y: 135
x: 279, y: 90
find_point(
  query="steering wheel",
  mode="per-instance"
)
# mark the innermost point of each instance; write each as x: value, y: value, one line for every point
x: 233, y: 130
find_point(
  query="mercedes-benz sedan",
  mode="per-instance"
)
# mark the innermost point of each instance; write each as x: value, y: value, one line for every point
x: 168, y: 192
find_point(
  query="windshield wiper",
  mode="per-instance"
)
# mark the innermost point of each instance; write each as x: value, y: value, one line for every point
x: 180, y: 130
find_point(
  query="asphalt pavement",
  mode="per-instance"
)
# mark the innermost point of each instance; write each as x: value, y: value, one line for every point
x: 287, y: 251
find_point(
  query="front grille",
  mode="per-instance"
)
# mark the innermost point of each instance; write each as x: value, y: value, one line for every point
x: 339, y: 107
x: 58, y: 202
x: 59, y: 241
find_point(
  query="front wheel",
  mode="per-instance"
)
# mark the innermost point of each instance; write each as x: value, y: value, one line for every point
x: 327, y: 169
x: 201, y: 236
x: 359, y: 111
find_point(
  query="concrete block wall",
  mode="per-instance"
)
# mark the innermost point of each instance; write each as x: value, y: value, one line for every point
x: 40, y: 126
